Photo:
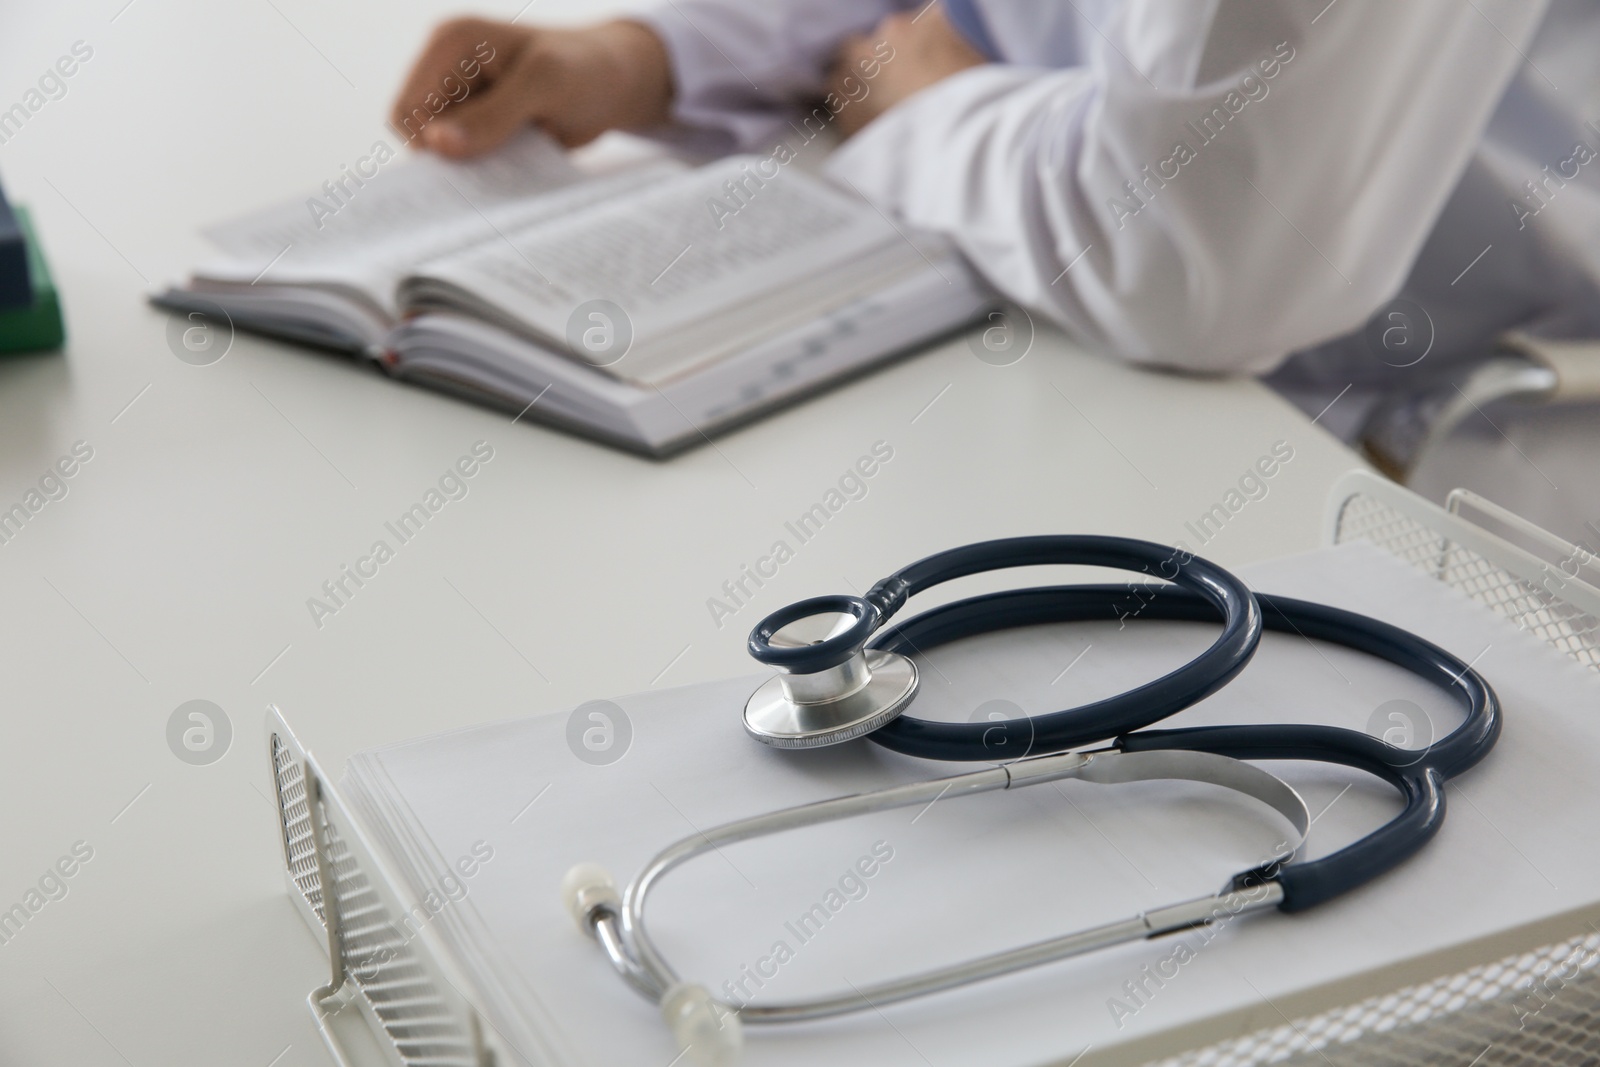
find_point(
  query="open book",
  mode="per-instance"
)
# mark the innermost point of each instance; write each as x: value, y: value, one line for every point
x: 649, y: 306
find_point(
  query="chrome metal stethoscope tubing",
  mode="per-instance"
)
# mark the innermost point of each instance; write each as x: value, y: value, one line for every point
x: 1147, y: 924
x: 623, y: 934
x: 637, y: 939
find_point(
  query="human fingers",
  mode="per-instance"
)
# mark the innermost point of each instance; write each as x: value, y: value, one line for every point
x: 462, y: 58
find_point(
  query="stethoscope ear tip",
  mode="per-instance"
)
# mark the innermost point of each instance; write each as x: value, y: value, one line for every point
x: 587, y: 891
x: 707, y: 1030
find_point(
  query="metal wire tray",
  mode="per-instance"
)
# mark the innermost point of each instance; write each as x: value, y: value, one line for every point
x: 385, y: 963
x: 1540, y: 1007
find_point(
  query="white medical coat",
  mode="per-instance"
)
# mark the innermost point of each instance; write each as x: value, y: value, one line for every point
x: 1216, y: 184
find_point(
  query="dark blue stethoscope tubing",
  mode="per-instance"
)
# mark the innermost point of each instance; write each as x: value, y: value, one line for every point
x: 1054, y: 731
x: 1312, y: 882
x: 1450, y: 755
x: 1088, y: 550
x: 1076, y: 727
x: 1418, y: 775
x: 1220, y: 592
x: 865, y: 617
x: 1241, y: 615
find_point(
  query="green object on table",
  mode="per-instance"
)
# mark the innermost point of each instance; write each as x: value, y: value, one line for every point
x: 39, y: 326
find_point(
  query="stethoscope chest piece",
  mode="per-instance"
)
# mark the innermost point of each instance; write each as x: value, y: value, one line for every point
x: 829, y: 687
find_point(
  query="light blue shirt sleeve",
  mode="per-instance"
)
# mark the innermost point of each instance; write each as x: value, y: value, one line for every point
x: 967, y: 20
x: 742, y: 71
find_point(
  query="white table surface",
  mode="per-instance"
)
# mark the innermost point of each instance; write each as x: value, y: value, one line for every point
x: 219, y: 499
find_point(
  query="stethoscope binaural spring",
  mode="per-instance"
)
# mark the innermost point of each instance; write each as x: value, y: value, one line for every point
x: 843, y: 674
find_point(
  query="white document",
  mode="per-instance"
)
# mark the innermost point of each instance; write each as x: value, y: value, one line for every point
x: 980, y: 874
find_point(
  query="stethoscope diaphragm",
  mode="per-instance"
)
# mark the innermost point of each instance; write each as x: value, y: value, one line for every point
x: 829, y: 687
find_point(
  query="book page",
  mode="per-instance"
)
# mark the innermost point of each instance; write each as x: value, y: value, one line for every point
x: 416, y: 191
x: 718, y: 250
x: 367, y: 236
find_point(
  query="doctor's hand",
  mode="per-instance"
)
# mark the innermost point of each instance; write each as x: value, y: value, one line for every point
x: 904, y: 55
x: 477, y: 82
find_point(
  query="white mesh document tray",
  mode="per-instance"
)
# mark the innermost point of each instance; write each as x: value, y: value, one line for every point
x: 391, y: 972
x: 386, y: 965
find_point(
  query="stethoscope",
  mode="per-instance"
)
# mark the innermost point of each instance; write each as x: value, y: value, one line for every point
x: 842, y: 674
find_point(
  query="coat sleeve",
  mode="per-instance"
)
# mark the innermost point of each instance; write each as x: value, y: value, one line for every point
x: 743, y: 69
x: 1222, y: 183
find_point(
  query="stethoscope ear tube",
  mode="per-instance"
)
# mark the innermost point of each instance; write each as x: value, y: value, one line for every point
x: 618, y: 921
x: 1312, y: 882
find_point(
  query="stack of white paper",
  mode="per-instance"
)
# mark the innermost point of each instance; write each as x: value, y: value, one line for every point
x: 984, y: 873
